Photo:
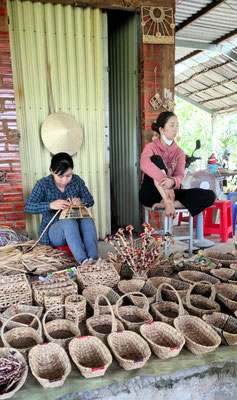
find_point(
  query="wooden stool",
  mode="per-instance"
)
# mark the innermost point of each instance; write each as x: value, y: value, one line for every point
x: 225, y: 227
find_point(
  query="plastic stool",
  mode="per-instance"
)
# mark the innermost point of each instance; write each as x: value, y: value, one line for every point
x: 224, y: 228
x: 66, y: 249
x: 233, y: 198
x: 186, y: 219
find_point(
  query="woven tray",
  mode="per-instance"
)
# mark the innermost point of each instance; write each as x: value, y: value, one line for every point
x: 196, y: 276
x: 199, y: 305
x: 225, y: 325
x: 227, y: 294
x: 88, y: 275
x: 58, y: 286
x: 219, y: 257
x: 91, y: 292
x: 180, y: 286
x: 14, y: 289
x: 6, y: 352
x: 225, y: 275
x: 22, y: 320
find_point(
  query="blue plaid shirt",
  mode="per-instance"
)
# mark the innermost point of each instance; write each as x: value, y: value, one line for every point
x: 45, y: 191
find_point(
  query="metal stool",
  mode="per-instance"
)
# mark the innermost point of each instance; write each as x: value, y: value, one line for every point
x: 168, y: 226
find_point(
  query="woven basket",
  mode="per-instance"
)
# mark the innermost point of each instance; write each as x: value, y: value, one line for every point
x: 227, y: 295
x: 138, y: 285
x: 51, y: 301
x: 225, y: 325
x: 133, y: 317
x: 14, y: 289
x: 225, y: 275
x: 75, y: 309
x: 59, y: 331
x: 49, y: 364
x: 91, y: 293
x: 22, y: 320
x: 200, y: 338
x: 196, y: 276
x: 199, y: 305
x: 9, y: 352
x: 219, y: 257
x: 101, y: 325
x: 88, y: 275
x: 234, y: 266
x: 167, y: 311
x: 165, y: 341
x: 90, y: 355
x: 58, y: 286
x: 180, y: 286
x: 23, y: 338
x: 130, y: 349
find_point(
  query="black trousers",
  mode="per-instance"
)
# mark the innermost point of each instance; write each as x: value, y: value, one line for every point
x: 195, y: 200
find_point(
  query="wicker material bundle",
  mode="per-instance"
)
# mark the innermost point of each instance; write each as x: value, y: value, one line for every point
x: 59, y: 331
x: 101, y: 325
x: 8, y: 353
x: 49, y: 364
x: 165, y: 341
x: 88, y: 275
x: 75, y: 309
x: 218, y: 257
x: 167, y: 311
x: 227, y: 295
x: 51, y: 301
x: 24, y: 319
x: 200, y: 338
x: 92, y: 292
x: 196, y: 276
x: 90, y: 355
x: 14, y: 289
x: 225, y: 275
x: 130, y: 349
x: 58, y: 286
x: 138, y: 285
x: 225, y: 325
x: 133, y: 317
x: 180, y: 286
x: 199, y: 305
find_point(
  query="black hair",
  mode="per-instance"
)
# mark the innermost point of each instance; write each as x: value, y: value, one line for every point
x: 60, y: 163
x: 161, y: 120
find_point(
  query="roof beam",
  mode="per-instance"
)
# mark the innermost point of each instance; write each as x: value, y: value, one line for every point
x: 227, y: 96
x: 193, y: 102
x: 191, y: 44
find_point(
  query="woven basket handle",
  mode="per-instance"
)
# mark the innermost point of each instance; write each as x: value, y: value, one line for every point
x: 51, y: 309
x: 120, y: 301
x: 188, y: 295
x: 97, y: 311
x: 160, y: 300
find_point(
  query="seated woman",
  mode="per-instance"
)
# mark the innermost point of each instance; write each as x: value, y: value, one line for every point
x: 51, y: 194
x: 163, y: 164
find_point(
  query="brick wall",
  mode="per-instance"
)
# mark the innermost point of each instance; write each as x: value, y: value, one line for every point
x: 11, y: 196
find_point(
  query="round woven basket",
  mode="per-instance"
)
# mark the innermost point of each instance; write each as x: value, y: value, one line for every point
x: 101, y: 325
x: 91, y: 292
x: 225, y: 325
x: 75, y: 309
x: 165, y: 341
x: 167, y: 311
x: 219, y: 257
x: 226, y: 293
x: 180, y: 286
x: 227, y: 275
x: 138, y: 285
x: 10, y: 352
x: 51, y: 300
x: 50, y: 364
x: 90, y: 355
x: 130, y: 349
x: 196, y: 276
x: 199, y: 305
x: 59, y: 331
x: 200, y: 338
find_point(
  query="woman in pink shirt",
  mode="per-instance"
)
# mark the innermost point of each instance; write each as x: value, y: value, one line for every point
x: 163, y: 163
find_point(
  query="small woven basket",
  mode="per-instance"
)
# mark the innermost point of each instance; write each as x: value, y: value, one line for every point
x: 59, y: 331
x: 165, y: 340
x: 90, y: 355
x: 130, y: 349
x: 227, y: 295
x: 133, y: 317
x: 219, y: 258
x: 101, y: 325
x: 196, y: 276
x: 167, y: 311
x: 14, y: 289
x: 24, y: 319
x: 138, y: 285
x: 92, y: 292
x: 200, y: 338
x: 51, y: 301
x: 225, y: 325
x: 180, y: 286
x: 199, y: 305
x: 49, y: 364
x: 58, y: 286
x: 225, y: 275
x: 88, y: 275
x: 10, y: 352
x: 75, y: 309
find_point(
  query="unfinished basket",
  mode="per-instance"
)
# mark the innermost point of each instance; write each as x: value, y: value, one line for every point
x: 138, y: 285
x: 57, y: 286
x: 130, y: 349
x: 22, y: 320
x: 225, y: 325
x: 75, y: 309
x: 14, y: 289
x: 101, y: 325
x: 199, y: 305
x: 200, y: 338
x: 91, y: 293
x: 166, y: 311
x: 219, y: 257
x: 88, y: 275
x: 20, y: 375
x: 226, y: 293
x: 50, y: 365
x: 196, y: 276
x: 51, y: 301
x: 132, y: 316
x: 225, y: 275
x: 90, y: 355
x: 165, y: 340
x: 180, y: 286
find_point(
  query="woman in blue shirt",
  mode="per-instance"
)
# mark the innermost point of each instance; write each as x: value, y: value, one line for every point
x: 51, y: 194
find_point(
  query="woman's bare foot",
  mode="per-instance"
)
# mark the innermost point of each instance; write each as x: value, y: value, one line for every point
x: 170, y: 210
x: 157, y: 206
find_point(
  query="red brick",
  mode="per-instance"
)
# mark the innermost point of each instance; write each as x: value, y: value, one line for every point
x: 9, y: 156
x: 149, y: 74
x: 12, y: 147
x: 19, y: 206
x: 17, y: 187
x: 5, y: 187
x: 2, y: 146
x: 5, y: 167
x: 8, y: 115
x: 149, y: 116
x: 151, y: 64
x: 7, y: 207
x: 5, y: 69
x: 2, y: 217
x: 9, y: 105
x: 10, y: 224
x: 15, y: 216
x: 14, y: 177
x: 6, y: 58
x: 12, y: 125
x: 20, y: 225
x: 7, y: 82
x: 13, y: 197
x: 146, y: 51
x: 155, y: 51
x: 16, y: 167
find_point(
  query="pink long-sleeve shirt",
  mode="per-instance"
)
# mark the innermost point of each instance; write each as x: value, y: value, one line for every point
x: 173, y: 158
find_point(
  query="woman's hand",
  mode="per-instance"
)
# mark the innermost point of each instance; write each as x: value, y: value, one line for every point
x: 59, y: 204
x: 167, y: 183
x: 75, y: 202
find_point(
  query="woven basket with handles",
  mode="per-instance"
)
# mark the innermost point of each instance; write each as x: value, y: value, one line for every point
x: 138, y: 285
x: 21, y: 320
x: 225, y: 325
x: 91, y: 293
x: 218, y: 257
x: 196, y: 276
x: 199, y: 305
x: 227, y: 275
x: 226, y: 294
x: 180, y: 286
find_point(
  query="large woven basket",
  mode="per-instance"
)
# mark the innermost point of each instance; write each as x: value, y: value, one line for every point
x: 200, y: 338
x: 101, y: 325
x: 199, y: 305
x: 180, y: 286
x: 93, y: 291
x: 225, y: 325
x: 130, y: 349
x: 219, y: 257
x: 90, y: 355
x: 21, y: 320
x: 50, y: 365
x: 196, y: 276
x: 14, y: 289
x: 167, y: 311
x: 138, y: 285
x: 58, y: 286
x: 132, y: 316
x: 226, y: 293
x: 227, y: 275
x: 165, y: 340
x: 88, y: 275
x: 75, y: 309
x: 9, y: 352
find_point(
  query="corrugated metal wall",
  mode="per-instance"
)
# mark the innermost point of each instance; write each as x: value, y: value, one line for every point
x: 125, y: 133
x: 71, y: 40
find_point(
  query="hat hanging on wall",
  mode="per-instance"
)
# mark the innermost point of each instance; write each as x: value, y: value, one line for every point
x: 60, y: 132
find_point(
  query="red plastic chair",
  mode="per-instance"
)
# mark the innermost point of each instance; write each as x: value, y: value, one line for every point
x: 65, y: 249
x: 225, y: 227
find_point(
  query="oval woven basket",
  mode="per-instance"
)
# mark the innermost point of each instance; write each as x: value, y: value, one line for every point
x: 165, y: 341
x: 75, y: 309
x: 196, y: 276
x: 167, y: 311
x: 91, y: 292
x: 225, y: 325
x: 180, y: 286
x: 226, y: 293
x: 10, y: 352
x: 90, y: 355
x: 200, y: 338
x: 138, y: 285
x: 219, y: 257
x: 50, y: 365
x: 130, y: 349
x: 101, y: 325
x: 199, y: 305
x: 22, y: 320
x: 227, y: 275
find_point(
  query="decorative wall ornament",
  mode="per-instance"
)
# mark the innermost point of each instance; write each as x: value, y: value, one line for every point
x: 155, y: 101
x: 168, y: 103
x: 157, y: 25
